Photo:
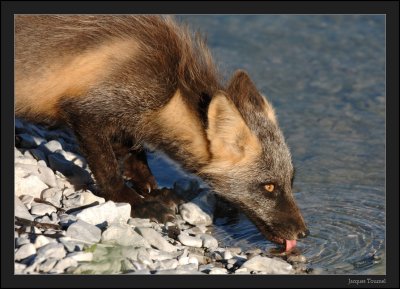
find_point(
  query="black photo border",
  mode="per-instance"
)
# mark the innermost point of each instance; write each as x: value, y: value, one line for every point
x: 10, y: 8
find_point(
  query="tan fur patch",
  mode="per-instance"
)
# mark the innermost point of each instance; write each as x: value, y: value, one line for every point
x: 68, y: 77
x: 269, y: 111
x: 231, y: 141
x: 180, y: 123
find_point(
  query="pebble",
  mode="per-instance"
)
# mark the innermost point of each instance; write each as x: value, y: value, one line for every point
x: 47, y: 265
x: 84, y: 232
x: 166, y: 264
x: 21, y: 211
x: 40, y: 241
x: 52, y: 195
x: 297, y: 259
x: 27, y: 201
x: 267, y: 265
x: 19, y: 267
x: 66, y: 220
x: 22, y: 240
x: 104, y: 214
x: 25, y: 161
x: 25, y: 251
x: 42, y: 209
x: 81, y: 256
x: 192, y: 214
x: 138, y: 222
x: 51, y: 147
x: 31, y: 185
x: 214, y: 271
x: 71, y: 245
x: 123, y: 235
x: 227, y: 255
x: 64, y: 264
x: 155, y: 239
x: 190, y: 241
x: 89, y: 198
x: 52, y: 250
x: 29, y: 141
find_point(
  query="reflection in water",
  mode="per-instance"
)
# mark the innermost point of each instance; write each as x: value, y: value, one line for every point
x: 325, y: 75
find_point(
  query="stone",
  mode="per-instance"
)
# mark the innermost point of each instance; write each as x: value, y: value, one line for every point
x: 208, y: 241
x: 138, y: 222
x: 158, y: 255
x: 17, y: 153
x: 84, y: 232
x: 104, y: 214
x: 73, y: 201
x: 267, y: 265
x: 67, y: 219
x: 74, y: 158
x: 21, y: 211
x: 155, y: 239
x: 38, y: 154
x: 192, y: 214
x: 40, y: 241
x: 25, y: 161
x: 40, y: 209
x: 31, y: 185
x: 52, y: 250
x: 88, y: 198
x: 18, y: 268
x: 52, y: 195
x: 227, y: 255
x: 189, y: 240
x: 71, y: 245
x: 215, y: 271
x: 297, y: 259
x: 22, y: 240
x: 64, y: 264
x: 123, y: 235
x: 47, y: 265
x: 123, y: 212
x: 81, y: 256
x: 242, y: 271
x: 28, y: 141
x: 51, y: 147
x: 27, y: 201
x: 47, y: 176
x: 25, y: 251
x: 166, y: 264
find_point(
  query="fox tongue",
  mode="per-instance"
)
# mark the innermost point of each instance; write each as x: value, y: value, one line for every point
x: 290, y: 244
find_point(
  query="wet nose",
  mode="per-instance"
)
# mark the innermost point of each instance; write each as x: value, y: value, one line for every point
x: 304, y: 234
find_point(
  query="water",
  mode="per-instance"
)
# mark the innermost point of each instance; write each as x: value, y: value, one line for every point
x: 325, y: 75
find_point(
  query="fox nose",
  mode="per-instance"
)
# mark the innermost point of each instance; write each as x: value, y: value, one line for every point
x: 303, y: 234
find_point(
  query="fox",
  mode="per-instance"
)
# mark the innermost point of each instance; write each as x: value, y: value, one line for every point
x: 124, y: 83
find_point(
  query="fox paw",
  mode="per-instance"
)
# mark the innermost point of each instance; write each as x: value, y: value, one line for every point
x: 154, y: 211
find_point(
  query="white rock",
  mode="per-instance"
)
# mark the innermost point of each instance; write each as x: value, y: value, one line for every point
x: 47, y: 265
x: 64, y: 264
x: 40, y: 209
x: 242, y: 271
x: 21, y: 211
x: 41, y: 241
x: 208, y: 241
x: 29, y: 141
x: 30, y: 185
x: 25, y: 160
x: 27, y: 201
x: 155, y: 239
x: 123, y: 235
x: 227, y: 255
x: 17, y: 153
x: 215, y: 271
x: 268, y: 265
x: 104, y: 214
x: 52, y: 250
x: 192, y: 214
x: 89, y: 198
x: 42, y: 163
x: 183, y: 260
x: 166, y: 264
x: 52, y: 146
x: 189, y: 240
x: 25, y: 251
x: 74, y: 158
x: 85, y: 232
x: 81, y: 256
x: 124, y: 212
x: 18, y: 268
x: 47, y: 176
x: 158, y: 255
x: 138, y: 222
x: 71, y: 245
x: 193, y: 260
x: 22, y: 240
x: 52, y: 195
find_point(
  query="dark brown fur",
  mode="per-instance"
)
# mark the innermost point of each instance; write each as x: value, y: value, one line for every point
x: 122, y: 82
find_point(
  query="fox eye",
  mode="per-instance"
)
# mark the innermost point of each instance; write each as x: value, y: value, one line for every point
x: 269, y: 187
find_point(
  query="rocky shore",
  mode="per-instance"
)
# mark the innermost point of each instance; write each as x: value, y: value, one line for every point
x: 61, y: 227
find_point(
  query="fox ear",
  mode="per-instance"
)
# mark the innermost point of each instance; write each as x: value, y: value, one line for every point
x: 247, y: 98
x: 229, y: 136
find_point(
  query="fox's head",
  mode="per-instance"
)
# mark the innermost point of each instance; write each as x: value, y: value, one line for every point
x: 251, y: 165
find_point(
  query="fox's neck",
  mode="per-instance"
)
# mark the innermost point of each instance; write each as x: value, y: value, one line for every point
x: 181, y: 133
